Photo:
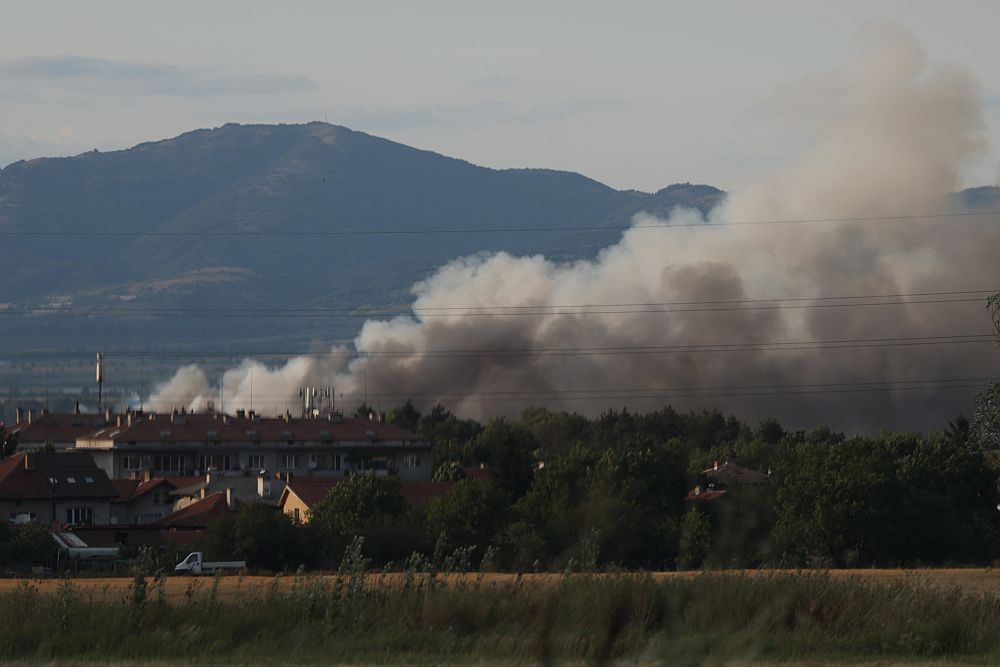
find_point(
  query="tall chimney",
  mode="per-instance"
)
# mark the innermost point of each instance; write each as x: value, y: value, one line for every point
x: 19, y: 415
x: 118, y: 421
x: 147, y: 475
x: 107, y: 416
x: 77, y: 411
x: 31, y: 416
x: 230, y: 499
x: 29, y: 462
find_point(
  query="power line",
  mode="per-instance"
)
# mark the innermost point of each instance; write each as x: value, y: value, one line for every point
x: 793, y: 303
x: 606, y: 393
x: 937, y: 217
x: 751, y: 346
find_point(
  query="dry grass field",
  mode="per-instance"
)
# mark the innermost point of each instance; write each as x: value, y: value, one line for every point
x: 110, y: 589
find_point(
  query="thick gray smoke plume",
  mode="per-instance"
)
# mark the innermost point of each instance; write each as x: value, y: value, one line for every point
x: 893, y: 136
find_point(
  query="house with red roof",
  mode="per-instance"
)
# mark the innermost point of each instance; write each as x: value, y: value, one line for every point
x: 54, y: 487
x: 722, y: 479
x: 301, y: 495
x: 141, y: 501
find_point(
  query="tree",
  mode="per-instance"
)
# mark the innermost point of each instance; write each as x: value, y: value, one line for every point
x: 985, y: 430
x: 508, y: 449
x: 8, y: 442
x: 405, y: 416
x: 361, y: 505
x: 695, y: 540
x: 28, y: 544
x: 261, y: 535
x: 470, y: 514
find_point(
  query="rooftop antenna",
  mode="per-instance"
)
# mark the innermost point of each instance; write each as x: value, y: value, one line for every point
x: 100, y: 381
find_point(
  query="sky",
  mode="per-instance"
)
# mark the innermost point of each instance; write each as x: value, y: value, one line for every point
x: 637, y: 95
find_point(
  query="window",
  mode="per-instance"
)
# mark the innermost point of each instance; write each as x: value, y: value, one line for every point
x: 161, y: 497
x: 296, y: 515
x: 215, y: 462
x: 71, y: 480
x: 289, y: 461
x: 255, y: 462
x: 131, y: 462
x: 80, y: 515
x: 174, y: 463
x: 88, y: 480
x: 336, y: 461
x: 411, y: 460
x: 313, y: 461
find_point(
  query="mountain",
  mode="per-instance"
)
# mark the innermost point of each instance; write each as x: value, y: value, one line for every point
x: 153, y: 227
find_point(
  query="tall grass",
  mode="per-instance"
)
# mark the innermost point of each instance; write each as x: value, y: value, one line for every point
x: 355, y: 617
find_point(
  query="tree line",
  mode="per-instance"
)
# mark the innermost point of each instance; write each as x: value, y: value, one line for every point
x: 569, y: 492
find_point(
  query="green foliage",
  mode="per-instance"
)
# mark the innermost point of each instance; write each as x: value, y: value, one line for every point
x: 449, y: 471
x: 27, y: 544
x: 405, y: 416
x: 695, y: 540
x: 609, y: 619
x: 508, y: 449
x: 261, y: 535
x: 470, y: 515
x: 985, y: 429
x: 892, y: 499
x: 360, y: 506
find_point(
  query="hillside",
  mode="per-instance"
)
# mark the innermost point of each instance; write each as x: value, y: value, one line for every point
x: 153, y: 228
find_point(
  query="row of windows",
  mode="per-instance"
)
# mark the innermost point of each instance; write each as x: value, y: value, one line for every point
x: 288, y: 461
x: 79, y: 516
x: 175, y: 463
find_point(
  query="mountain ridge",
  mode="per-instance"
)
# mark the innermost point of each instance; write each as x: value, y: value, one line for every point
x: 275, y: 179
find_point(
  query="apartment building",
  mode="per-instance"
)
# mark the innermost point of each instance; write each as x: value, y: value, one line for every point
x: 179, y: 444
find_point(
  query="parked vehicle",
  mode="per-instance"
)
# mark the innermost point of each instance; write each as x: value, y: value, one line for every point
x: 195, y: 564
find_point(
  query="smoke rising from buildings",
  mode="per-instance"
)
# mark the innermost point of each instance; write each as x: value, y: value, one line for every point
x: 893, y: 136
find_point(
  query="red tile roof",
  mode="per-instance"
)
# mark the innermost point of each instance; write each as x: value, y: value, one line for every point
x: 416, y: 494
x: 730, y: 473
x: 132, y: 489
x: 196, y: 515
x: 64, y: 428
x: 223, y: 428
x: 704, y: 494
x: 312, y: 490
x: 53, y: 474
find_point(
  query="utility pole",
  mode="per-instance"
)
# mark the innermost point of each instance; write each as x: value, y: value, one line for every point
x: 100, y: 381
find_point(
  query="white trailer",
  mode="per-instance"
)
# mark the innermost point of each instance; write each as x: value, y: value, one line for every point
x: 195, y: 564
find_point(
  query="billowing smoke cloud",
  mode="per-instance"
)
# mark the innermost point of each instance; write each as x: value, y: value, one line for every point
x: 894, y: 136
